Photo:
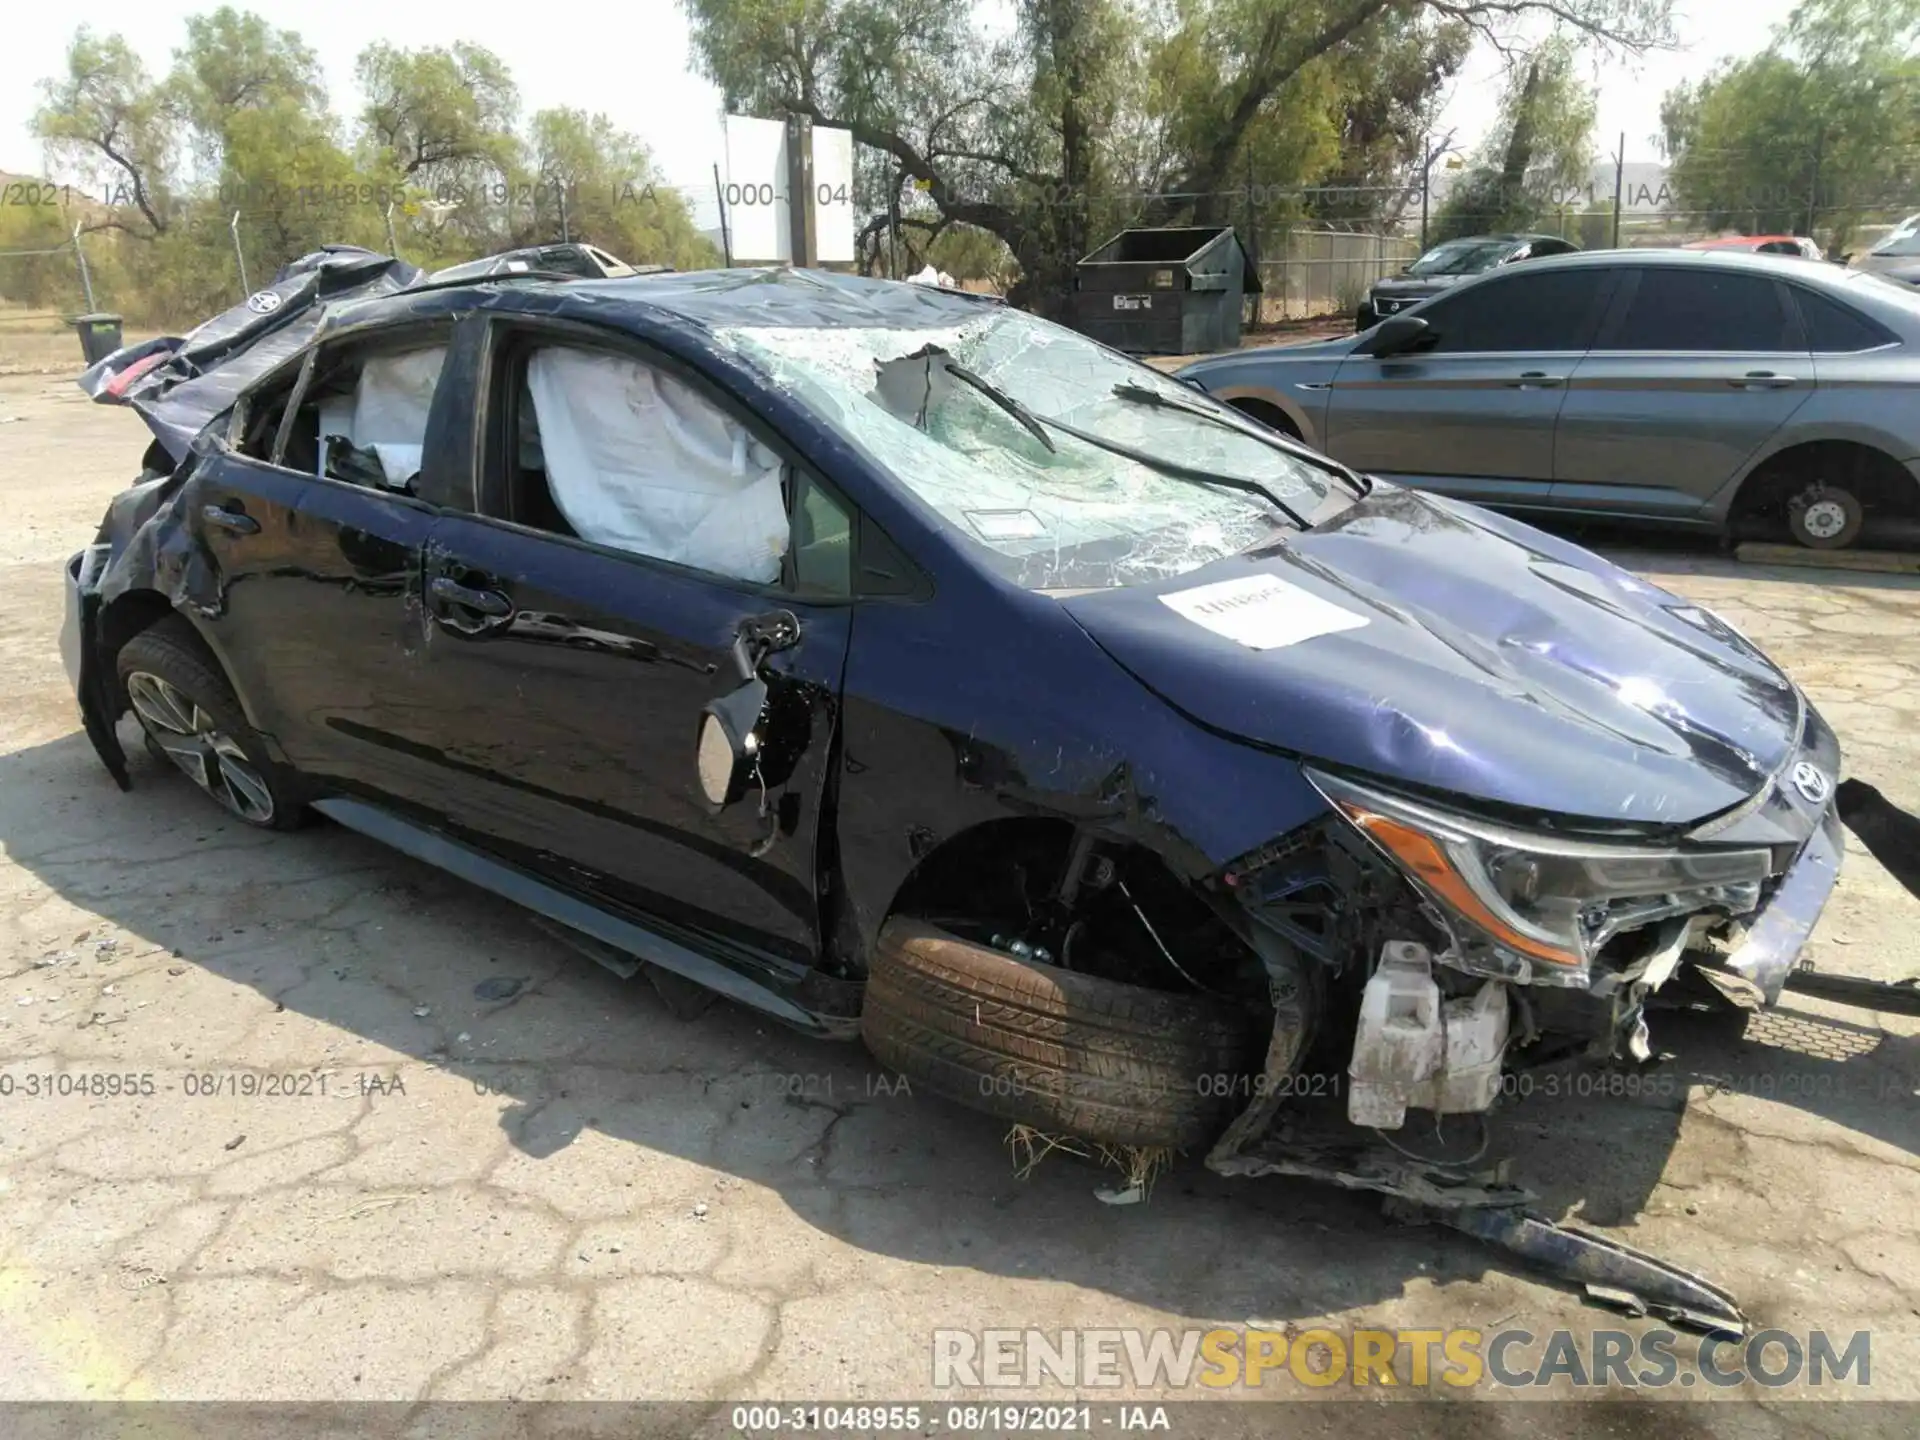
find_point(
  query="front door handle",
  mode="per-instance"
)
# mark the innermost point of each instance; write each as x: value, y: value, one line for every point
x: 487, y: 602
x: 238, y: 521
x: 1536, y: 380
x: 1763, y: 380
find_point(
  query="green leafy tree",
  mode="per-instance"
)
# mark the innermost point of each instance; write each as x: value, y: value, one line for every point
x: 1819, y: 130
x: 235, y: 65
x: 242, y: 124
x: 1027, y: 137
x: 439, y: 122
x: 1538, y: 156
x: 109, y: 123
x: 594, y: 182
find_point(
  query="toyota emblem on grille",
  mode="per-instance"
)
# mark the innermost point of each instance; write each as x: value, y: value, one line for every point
x: 1813, y: 785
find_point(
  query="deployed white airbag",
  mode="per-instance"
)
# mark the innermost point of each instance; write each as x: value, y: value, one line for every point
x: 639, y: 461
x: 390, y: 405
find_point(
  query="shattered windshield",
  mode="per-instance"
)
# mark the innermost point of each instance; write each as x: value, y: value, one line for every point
x: 959, y: 415
x: 1460, y: 257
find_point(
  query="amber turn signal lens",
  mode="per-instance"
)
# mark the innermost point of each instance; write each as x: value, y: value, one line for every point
x: 1426, y: 860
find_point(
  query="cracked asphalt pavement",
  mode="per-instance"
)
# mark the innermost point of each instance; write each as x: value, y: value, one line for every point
x: 317, y: 1122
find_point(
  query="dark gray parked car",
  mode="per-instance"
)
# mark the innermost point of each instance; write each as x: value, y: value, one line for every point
x: 1449, y: 263
x: 1727, y: 392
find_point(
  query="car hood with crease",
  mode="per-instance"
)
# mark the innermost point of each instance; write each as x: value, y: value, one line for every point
x: 1489, y: 655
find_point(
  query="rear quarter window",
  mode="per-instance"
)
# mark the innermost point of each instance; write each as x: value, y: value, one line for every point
x: 1836, y: 329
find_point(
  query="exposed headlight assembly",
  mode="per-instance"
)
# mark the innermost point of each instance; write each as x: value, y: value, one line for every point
x: 1544, y: 904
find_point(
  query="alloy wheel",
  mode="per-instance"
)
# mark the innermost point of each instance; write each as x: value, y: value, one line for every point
x: 183, y: 731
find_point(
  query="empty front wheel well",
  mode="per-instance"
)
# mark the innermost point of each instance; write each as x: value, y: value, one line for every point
x: 1881, y: 483
x: 1267, y: 413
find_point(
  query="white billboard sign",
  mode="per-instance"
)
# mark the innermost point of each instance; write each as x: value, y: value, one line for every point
x: 754, y: 193
x: 832, y: 195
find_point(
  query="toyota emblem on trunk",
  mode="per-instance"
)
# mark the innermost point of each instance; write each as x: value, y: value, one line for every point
x: 1813, y: 785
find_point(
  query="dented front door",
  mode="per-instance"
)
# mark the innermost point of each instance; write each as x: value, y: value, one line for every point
x: 566, y: 686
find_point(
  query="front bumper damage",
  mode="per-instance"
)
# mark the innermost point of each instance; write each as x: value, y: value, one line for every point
x: 1757, y: 971
x: 1336, y: 1143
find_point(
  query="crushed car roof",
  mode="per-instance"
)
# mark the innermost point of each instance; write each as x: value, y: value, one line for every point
x: 803, y: 298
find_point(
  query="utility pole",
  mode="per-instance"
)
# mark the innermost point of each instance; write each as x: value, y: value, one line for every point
x: 1426, y: 186
x: 1813, y: 182
x: 233, y: 227
x: 802, y: 247
x: 720, y: 199
x: 1619, y: 171
x: 80, y: 254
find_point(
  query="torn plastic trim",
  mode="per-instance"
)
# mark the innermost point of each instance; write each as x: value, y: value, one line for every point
x: 1608, y: 1271
x: 1758, y: 969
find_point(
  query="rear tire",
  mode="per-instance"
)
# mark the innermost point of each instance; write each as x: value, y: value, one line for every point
x: 1064, y: 1052
x: 193, y: 721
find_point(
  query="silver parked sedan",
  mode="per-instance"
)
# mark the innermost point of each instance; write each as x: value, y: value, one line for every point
x: 1727, y: 392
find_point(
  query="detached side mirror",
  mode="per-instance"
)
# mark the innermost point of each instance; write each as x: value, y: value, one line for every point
x: 729, y: 741
x: 1394, y: 335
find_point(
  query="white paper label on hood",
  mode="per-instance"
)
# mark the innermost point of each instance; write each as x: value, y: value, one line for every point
x: 1262, y: 612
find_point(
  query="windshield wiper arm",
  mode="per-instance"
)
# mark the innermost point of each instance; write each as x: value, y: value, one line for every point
x: 1035, y: 423
x: 1178, y: 471
x: 1140, y: 394
x: 1005, y: 401
x: 1031, y: 422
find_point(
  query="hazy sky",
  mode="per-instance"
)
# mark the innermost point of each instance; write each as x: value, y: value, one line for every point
x: 632, y: 63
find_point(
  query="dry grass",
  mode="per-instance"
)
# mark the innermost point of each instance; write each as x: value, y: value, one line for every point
x: 1142, y: 1165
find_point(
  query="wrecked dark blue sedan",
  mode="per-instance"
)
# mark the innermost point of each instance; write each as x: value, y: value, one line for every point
x: 902, y: 665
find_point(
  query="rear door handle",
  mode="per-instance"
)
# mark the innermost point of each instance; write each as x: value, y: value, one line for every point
x: 487, y: 602
x: 1763, y: 380
x: 1536, y: 380
x: 238, y: 521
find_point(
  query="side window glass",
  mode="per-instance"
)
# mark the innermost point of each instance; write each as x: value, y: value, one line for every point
x: 1833, y: 329
x: 822, y: 545
x: 619, y: 453
x: 1702, y: 309
x: 1528, y: 310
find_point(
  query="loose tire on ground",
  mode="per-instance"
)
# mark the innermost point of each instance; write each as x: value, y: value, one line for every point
x: 194, y: 723
x: 1064, y: 1052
